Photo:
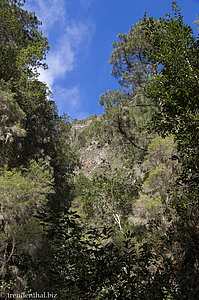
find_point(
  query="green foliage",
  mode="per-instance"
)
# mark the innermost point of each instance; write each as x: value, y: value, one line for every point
x: 127, y: 117
x: 23, y: 49
x: 197, y: 22
x: 11, y: 115
x: 34, y: 145
x: 10, y: 122
x: 107, y: 198
x: 87, y: 265
x: 129, y: 110
x: 64, y: 161
x: 130, y: 64
x: 159, y: 168
x: 136, y: 232
x: 22, y: 45
x: 176, y: 88
x: 23, y: 193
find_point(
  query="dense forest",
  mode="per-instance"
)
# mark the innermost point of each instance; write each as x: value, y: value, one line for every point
x: 107, y: 207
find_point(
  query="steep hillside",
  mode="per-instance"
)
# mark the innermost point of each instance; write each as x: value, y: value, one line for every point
x: 118, y: 183
x: 91, y: 139
x: 92, y: 154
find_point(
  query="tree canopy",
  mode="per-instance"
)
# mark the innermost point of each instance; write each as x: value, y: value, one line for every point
x: 128, y: 227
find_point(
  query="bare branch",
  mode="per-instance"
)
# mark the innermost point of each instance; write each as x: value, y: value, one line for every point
x: 127, y: 137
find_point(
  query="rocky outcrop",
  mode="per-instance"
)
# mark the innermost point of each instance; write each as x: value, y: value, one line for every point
x: 93, y: 156
x: 92, y: 153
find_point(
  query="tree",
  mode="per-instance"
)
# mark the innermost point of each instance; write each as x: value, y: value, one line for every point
x: 165, y: 70
x: 64, y: 161
x: 106, y: 199
x: 23, y: 50
x: 10, y: 122
x: 129, y: 109
x: 23, y: 47
x: 23, y: 194
x: 34, y: 145
x: 177, y: 89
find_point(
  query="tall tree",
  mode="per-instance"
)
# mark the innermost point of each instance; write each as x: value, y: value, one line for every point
x: 34, y: 145
x: 134, y: 70
x: 177, y: 89
x: 23, y: 47
x: 23, y: 193
x: 22, y: 50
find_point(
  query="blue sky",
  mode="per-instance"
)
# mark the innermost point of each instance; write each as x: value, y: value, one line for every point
x: 81, y: 33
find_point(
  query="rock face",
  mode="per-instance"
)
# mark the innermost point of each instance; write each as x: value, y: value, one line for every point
x: 92, y: 153
x: 93, y: 156
x: 79, y: 127
x: 145, y: 178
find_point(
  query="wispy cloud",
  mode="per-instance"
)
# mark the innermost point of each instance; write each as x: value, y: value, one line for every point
x: 69, y: 37
x: 69, y: 96
x: 63, y: 57
x: 70, y: 101
x: 86, y: 3
x: 49, y: 12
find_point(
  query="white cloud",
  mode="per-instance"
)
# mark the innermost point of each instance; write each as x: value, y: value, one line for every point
x: 48, y: 11
x: 69, y: 100
x: 63, y: 57
x: 60, y: 61
x: 69, y: 37
x: 71, y: 96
